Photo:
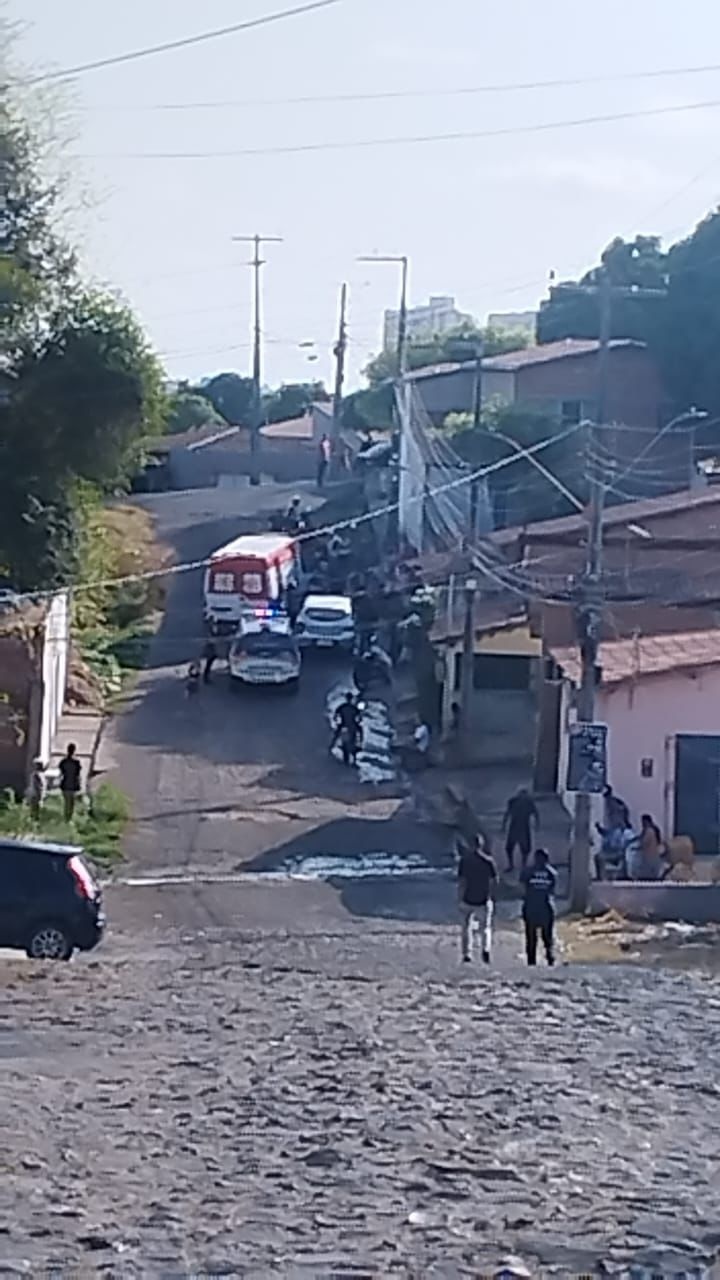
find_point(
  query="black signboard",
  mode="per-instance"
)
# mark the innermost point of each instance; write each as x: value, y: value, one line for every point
x: 587, y: 758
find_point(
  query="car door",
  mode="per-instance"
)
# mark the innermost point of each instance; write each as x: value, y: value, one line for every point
x: 14, y: 895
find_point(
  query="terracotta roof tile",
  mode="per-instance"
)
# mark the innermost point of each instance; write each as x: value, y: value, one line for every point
x: 634, y: 658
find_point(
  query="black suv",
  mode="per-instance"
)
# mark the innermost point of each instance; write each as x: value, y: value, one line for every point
x: 49, y: 902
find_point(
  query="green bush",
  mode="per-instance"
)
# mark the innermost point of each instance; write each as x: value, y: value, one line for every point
x: 98, y: 823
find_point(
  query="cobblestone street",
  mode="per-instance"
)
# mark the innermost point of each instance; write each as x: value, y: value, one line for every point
x: 349, y: 1102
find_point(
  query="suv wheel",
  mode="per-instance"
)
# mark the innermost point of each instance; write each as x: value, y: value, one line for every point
x: 49, y: 941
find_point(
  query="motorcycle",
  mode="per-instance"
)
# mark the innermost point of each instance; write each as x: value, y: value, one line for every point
x: 349, y: 744
x: 192, y: 681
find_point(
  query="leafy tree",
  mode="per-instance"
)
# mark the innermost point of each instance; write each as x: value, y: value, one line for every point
x: 520, y: 493
x: 81, y: 388
x: 189, y: 410
x: 460, y: 344
x: 570, y: 313
x: 231, y: 395
x: 292, y: 400
x: 689, y: 341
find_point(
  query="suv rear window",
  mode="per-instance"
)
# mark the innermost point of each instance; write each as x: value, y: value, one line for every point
x: 327, y: 615
x: 29, y: 869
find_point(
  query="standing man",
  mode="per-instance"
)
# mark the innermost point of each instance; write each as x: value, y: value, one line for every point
x: 538, y: 910
x: 323, y: 460
x: 520, y: 818
x: 477, y: 877
x: 70, y: 770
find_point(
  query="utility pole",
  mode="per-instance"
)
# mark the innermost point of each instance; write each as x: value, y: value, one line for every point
x: 402, y: 320
x: 257, y: 262
x: 401, y: 383
x: 589, y: 609
x: 339, y: 353
x: 477, y: 417
x: 467, y: 665
x: 589, y: 612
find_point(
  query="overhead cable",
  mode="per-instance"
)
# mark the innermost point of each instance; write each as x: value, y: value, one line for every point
x: 169, y: 45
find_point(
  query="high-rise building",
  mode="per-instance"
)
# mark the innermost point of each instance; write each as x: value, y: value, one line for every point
x: 438, y: 316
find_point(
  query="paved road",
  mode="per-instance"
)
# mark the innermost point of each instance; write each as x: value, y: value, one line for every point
x: 236, y: 779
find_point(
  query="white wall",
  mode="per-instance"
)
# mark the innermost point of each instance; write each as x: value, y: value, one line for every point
x: 56, y: 643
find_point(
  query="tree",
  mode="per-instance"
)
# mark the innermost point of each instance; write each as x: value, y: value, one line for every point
x: 292, y: 400
x: 520, y: 493
x: 689, y: 341
x: 81, y: 387
x: 569, y: 313
x: 458, y: 345
x: 189, y: 410
x: 231, y: 395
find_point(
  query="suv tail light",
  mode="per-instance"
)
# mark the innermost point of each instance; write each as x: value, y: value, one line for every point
x: 84, y: 884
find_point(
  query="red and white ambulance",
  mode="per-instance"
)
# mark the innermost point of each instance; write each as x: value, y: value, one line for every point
x: 249, y: 574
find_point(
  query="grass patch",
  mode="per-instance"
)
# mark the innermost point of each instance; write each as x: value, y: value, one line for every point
x: 98, y: 823
x: 114, y: 624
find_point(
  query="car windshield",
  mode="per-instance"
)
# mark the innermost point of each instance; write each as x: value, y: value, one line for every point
x: 323, y: 614
x: 265, y: 644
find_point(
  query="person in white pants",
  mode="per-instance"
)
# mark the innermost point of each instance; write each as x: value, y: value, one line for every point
x: 477, y: 878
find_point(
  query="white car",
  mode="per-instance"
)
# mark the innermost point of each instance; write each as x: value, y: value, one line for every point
x: 265, y: 651
x: 326, y: 621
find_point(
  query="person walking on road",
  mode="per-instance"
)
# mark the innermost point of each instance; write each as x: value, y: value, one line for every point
x: 324, y: 450
x: 520, y: 818
x: 477, y: 877
x: 209, y: 656
x: 538, y: 911
x: 70, y: 774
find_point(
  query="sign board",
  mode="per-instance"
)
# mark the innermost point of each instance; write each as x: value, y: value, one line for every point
x: 587, y: 758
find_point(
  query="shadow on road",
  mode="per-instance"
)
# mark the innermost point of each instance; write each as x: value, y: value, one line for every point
x: 373, y: 867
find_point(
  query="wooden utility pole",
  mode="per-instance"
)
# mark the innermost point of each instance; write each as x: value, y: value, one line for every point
x: 256, y: 415
x: 339, y: 351
x: 467, y: 668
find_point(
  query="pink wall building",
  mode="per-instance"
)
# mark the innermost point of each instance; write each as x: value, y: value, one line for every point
x: 660, y: 698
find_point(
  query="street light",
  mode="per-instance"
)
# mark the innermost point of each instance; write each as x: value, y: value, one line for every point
x: 402, y: 313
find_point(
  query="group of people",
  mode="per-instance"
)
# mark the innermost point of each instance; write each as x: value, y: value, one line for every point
x: 624, y: 852
x: 477, y: 883
x: 70, y: 784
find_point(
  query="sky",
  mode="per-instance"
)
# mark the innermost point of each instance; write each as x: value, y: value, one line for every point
x: 485, y: 219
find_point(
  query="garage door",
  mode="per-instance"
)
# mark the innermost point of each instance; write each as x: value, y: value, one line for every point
x: 697, y: 790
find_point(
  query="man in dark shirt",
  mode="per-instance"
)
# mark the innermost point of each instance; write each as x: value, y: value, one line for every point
x: 518, y: 824
x: 69, y: 780
x: 538, y: 910
x: 477, y: 877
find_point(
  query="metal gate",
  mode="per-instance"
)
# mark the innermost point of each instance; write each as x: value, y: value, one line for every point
x: 697, y: 790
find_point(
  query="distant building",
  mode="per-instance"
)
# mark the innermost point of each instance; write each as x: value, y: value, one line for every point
x: 439, y: 315
x: 514, y: 322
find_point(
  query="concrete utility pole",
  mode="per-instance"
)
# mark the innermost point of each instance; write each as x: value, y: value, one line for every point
x: 467, y: 665
x: 477, y: 417
x: 339, y: 352
x: 402, y: 385
x: 589, y: 609
x: 256, y: 416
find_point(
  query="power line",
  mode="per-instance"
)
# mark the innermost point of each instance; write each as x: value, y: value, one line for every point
x: 407, y: 140
x: 348, y: 522
x: 385, y: 95
x: 183, y: 43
